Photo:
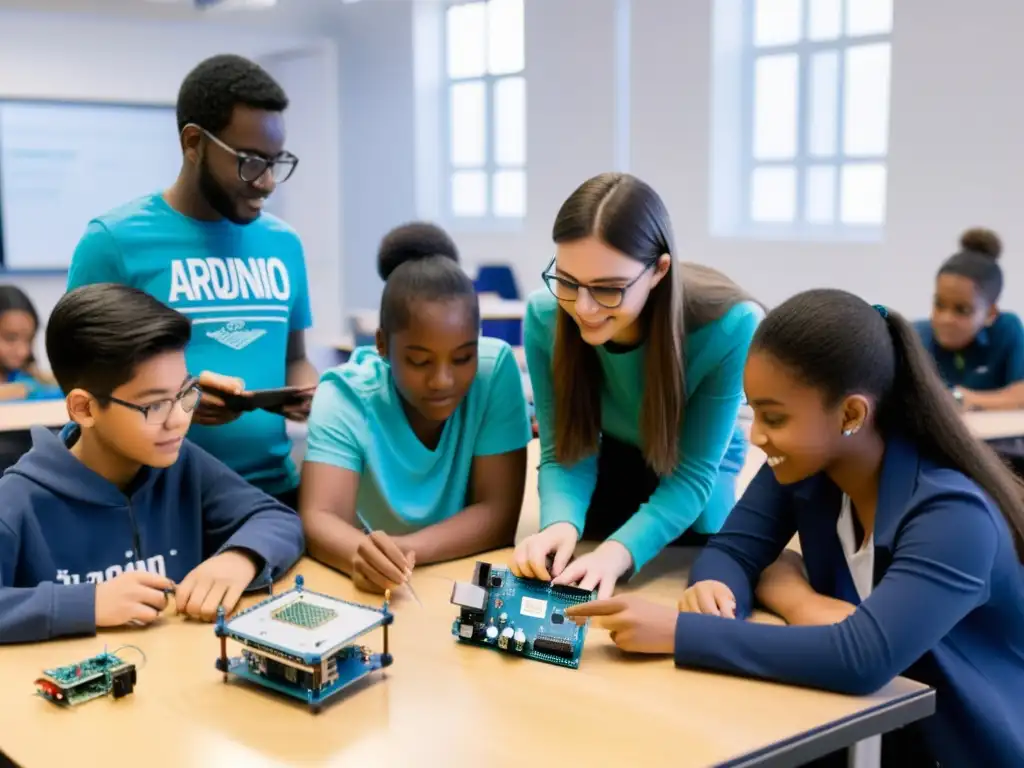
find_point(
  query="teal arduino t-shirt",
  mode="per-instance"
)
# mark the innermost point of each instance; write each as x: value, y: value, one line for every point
x: 245, y: 290
x: 711, y: 440
x: 358, y: 423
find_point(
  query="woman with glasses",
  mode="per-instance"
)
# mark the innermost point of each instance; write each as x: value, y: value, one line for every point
x: 636, y: 361
x: 206, y: 247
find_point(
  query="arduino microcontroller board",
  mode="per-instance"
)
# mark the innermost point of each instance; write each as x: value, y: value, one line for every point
x: 521, y: 617
x: 97, y: 676
x: 301, y: 643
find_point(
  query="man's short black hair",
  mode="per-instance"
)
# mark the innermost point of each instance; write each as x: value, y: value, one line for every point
x: 98, y: 334
x: 210, y: 92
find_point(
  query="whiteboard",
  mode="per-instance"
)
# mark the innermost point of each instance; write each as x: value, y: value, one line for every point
x: 62, y: 164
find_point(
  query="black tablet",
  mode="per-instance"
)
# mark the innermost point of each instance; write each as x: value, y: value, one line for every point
x: 266, y: 399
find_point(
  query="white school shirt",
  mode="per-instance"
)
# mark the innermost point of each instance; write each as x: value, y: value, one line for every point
x: 861, y: 562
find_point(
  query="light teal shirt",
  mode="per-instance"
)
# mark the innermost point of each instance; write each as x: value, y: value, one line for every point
x: 243, y: 287
x: 358, y: 423
x: 710, y: 441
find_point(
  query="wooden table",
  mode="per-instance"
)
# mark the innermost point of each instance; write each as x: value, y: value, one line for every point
x: 995, y: 425
x: 440, y: 704
x: 22, y: 414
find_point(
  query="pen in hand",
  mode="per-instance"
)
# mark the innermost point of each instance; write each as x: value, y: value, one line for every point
x: 408, y: 583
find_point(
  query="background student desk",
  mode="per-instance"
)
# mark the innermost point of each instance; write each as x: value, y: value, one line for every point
x: 21, y: 415
x: 440, y: 704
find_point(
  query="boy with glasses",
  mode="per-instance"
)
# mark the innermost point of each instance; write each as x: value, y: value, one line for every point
x: 205, y: 247
x: 103, y: 521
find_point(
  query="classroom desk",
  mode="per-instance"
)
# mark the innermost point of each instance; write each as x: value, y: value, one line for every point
x: 23, y: 414
x: 995, y: 425
x: 440, y: 704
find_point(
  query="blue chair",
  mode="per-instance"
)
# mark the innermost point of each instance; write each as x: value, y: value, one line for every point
x: 501, y: 280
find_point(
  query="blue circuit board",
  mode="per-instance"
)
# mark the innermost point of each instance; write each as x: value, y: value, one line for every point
x: 300, y: 643
x: 350, y: 665
x: 521, y: 617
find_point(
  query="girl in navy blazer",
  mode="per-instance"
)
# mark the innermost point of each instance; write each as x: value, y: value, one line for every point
x: 912, y: 534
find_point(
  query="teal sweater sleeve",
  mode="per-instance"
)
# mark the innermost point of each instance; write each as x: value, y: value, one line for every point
x: 564, y: 491
x: 715, y: 374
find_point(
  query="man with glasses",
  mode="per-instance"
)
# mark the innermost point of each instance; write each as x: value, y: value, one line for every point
x: 101, y: 523
x: 205, y: 247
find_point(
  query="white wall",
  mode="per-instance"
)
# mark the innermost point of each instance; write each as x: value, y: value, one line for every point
x: 111, y: 59
x: 571, y: 127
x: 955, y: 157
x: 379, y: 134
x: 955, y: 149
x: 311, y: 199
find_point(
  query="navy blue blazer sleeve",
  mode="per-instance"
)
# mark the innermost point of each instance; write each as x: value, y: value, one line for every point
x: 940, y: 572
x: 754, y: 534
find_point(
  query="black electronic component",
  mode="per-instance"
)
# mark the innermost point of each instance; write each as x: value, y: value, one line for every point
x: 557, y: 618
x: 495, y: 581
x: 123, y: 683
x: 480, y: 573
x: 556, y: 646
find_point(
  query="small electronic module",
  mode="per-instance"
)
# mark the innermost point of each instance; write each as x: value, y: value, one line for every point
x: 300, y: 643
x: 73, y: 684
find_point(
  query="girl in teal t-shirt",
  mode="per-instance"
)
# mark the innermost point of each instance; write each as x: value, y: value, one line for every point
x: 20, y: 377
x: 422, y: 439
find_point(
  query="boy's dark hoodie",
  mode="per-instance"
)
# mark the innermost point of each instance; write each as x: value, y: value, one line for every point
x: 64, y: 528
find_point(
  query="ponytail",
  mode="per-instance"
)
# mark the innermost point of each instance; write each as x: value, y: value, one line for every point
x: 839, y: 345
x: 920, y: 406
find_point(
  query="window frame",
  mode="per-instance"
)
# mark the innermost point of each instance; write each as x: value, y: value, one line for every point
x: 489, y: 221
x: 804, y: 49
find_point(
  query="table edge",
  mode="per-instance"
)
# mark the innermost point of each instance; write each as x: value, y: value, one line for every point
x: 840, y: 734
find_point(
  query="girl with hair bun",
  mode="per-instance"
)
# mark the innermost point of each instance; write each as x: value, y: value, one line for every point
x: 979, y: 350
x: 417, y: 446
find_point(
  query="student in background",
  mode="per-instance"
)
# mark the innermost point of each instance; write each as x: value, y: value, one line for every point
x: 100, y: 522
x: 636, y: 361
x: 205, y: 247
x: 417, y: 448
x: 979, y: 349
x: 912, y: 535
x: 20, y: 377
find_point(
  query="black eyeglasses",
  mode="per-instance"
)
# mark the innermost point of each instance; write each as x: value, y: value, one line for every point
x: 160, y: 411
x: 608, y: 296
x: 252, y: 167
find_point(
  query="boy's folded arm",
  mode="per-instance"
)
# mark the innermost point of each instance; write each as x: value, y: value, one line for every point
x: 46, y: 611
x: 237, y: 515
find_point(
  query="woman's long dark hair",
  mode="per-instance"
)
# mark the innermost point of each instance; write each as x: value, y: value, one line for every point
x: 839, y: 344
x: 628, y: 215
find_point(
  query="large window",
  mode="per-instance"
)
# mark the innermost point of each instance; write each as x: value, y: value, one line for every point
x: 485, y: 141
x: 814, y: 118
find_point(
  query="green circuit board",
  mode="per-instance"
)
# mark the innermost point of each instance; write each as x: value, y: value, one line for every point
x: 84, y: 671
x: 73, y: 684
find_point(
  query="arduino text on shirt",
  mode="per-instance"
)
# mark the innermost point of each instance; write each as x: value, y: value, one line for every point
x: 231, y: 283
